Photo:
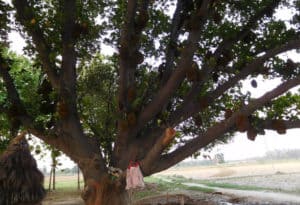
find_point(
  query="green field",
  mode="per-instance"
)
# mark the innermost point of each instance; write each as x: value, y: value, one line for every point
x: 65, y: 182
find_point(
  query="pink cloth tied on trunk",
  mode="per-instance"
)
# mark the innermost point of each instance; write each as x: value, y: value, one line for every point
x: 134, y: 176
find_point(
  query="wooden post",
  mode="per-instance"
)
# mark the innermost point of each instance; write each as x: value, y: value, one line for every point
x: 78, y: 178
x: 53, y: 178
x: 167, y: 197
x: 182, y: 200
x: 50, y: 180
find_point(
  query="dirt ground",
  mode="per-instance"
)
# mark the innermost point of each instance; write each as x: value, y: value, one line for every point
x: 63, y: 198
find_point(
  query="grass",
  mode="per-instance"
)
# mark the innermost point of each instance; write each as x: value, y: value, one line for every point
x: 66, y: 183
x: 200, y: 189
x: 234, y: 186
x: 161, y: 186
x: 220, y: 185
x: 65, y: 188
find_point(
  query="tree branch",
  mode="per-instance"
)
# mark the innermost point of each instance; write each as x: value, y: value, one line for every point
x: 224, y: 47
x: 26, y: 17
x: 175, y: 27
x: 162, y: 142
x: 16, y: 110
x: 178, y: 75
x: 190, y: 107
x: 13, y: 95
x: 68, y: 69
x: 135, y: 21
x: 71, y: 128
x: 197, y: 20
x: 288, y: 124
x: 63, y: 142
x: 126, y: 52
x: 220, y: 128
x: 130, y: 56
x: 71, y: 138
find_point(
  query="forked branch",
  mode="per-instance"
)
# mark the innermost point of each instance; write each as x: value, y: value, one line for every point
x: 190, y: 107
x: 166, y: 92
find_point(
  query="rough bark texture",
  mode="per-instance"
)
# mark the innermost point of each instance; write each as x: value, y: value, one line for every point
x: 105, y: 192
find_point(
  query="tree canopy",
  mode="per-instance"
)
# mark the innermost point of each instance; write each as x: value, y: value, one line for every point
x: 176, y: 65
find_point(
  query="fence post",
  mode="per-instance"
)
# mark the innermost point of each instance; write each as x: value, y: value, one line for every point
x: 78, y: 178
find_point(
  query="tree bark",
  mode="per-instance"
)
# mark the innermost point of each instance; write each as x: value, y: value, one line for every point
x: 106, y: 191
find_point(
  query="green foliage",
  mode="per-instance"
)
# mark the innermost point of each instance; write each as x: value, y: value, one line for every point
x: 97, y: 101
x: 284, y: 107
x: 25, y: 79
x: 4, y: 22
x: 3, y: 144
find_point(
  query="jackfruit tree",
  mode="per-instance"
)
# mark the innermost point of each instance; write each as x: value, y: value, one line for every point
x: 172, y: 86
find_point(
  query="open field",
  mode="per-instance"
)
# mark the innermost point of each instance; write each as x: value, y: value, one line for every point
x: 234, y: 170
x: 67, y: 182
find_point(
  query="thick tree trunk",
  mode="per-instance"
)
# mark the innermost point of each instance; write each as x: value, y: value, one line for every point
x: 106, y: 191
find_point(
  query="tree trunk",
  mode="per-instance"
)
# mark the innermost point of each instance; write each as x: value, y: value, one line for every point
x: 106, y: 191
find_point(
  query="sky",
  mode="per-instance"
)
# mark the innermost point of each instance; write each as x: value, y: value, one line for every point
x: 240, y: 147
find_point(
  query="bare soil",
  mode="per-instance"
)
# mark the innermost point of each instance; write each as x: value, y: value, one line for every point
x: 63, y: 198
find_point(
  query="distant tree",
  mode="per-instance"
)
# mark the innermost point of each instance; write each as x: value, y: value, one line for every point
x: 178, y: 65
x: 219, y: 158
x: 283, y: 154
x: 44, y: 170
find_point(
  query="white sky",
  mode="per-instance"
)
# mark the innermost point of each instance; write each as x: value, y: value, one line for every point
x: 240, y: 147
